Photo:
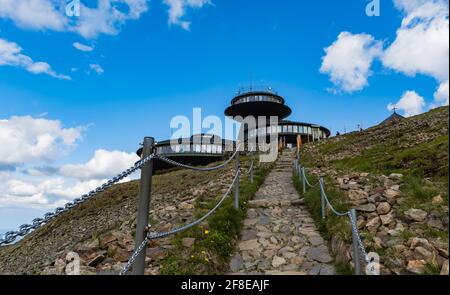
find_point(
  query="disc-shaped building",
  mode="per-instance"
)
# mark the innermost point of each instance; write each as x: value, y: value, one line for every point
x: 202, y: 149
x: 268, y: 103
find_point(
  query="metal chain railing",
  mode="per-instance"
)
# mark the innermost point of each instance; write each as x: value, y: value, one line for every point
x: 154, y: 236
x: 358, y: 237
x: 325, y: 202
x: 250, y: 169
x: 24, y: 229
x: 324, y: 195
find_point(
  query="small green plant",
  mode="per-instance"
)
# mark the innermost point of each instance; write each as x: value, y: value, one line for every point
x: 215, y: 238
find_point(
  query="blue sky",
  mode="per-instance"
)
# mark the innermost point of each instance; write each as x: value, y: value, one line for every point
x: 155, y: 65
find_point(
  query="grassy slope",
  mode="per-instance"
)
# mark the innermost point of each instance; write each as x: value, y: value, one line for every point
x: 416, y: 147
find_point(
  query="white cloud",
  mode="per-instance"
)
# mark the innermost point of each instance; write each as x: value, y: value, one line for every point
x: 34, y: 14
x: 42, y: 193
x: 46, y: 187
x: 106, y: 17
x: 83, y: 47
x: 29, y: 140
x: 97, y: 68
x: 422, y: 44
x: 177, y: 10
x: 410, y: 103
x: 102, y: 165
x: 441, y: 95
x: 11, y: 55
x: 348, y: 60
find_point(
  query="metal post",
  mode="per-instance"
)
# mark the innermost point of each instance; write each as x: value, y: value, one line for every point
x: 356, y: 259
x: 144, y: 205
x: 299, y: 172
x: 251, y: 173
x: 304, y: 180
x: 236, y: 186
x: 322, y: 198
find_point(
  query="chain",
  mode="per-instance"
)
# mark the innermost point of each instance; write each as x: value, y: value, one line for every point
x: 328, y: 202
x: 177, y: 164
x: 352, y: 221
x: 134, y: 256
x: 24, y: 229
x: 154, y: 236
x: 358, y: 238
x: 250, y: 169
x: 307, y: 181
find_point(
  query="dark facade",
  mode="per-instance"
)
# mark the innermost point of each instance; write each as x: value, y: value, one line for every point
x: 201, y: 149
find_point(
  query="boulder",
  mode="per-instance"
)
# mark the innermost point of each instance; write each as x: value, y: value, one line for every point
x: 236, y: 263
x: 249, y: 245
x: 437, y: 200
x: 104, y: 241
x: 278, y: 261
x: 391, y: 194
x: 420, y: 242
x: 366, y: 208
x: 383, y: 208
x: 319, y: 254
x: 416, y: 214
x: 387, y: 218
x: 155, y: 254
x: 416, y: 266
x: 422, y: 253
x: 188, y: 242
x: 356, y: 195
x: 373, y: 224
x: 96, y: 260
x: 396, y: 176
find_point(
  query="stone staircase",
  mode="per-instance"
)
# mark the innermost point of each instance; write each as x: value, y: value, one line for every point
x: 279, y: 235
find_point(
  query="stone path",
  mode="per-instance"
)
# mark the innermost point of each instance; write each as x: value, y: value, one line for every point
x: 279, y: 235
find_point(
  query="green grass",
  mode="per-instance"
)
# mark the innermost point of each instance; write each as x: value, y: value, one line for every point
x: 427, y: 159
x: 215, y: 238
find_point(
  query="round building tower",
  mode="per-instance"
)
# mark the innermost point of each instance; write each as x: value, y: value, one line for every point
x: 257, y: 103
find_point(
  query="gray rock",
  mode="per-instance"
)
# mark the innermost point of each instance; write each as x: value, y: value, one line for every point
x: 248, y: 235
x: 278, y: 261
x: 383, y: 208
x: 188, y: 242
x: 416, y: 214
x: 236, y: 263
x: 416, y: 266
x: 249, y: 245
x: 319, y: 254
x: 396, y: 176
x: 316, y: 240
x: 373, y: 224
x: 367, y: 208
x: 387, y: 219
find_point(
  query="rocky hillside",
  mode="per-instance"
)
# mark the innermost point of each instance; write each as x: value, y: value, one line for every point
x: 101, y: 232
x: 396, y: 176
